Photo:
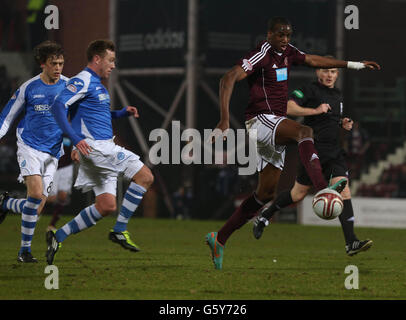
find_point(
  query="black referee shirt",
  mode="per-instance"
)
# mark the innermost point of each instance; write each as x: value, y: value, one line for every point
x: 326, y: 126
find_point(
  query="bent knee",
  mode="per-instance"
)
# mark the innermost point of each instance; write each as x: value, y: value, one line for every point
x: 145, y: 179
x: 305, y: 132
x: 266, y: 195
x: 106, y: 207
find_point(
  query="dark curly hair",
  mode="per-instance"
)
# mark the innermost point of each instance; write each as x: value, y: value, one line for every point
x: 47, y: 49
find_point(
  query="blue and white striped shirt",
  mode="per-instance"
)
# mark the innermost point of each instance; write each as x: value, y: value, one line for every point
x: 38, y: 129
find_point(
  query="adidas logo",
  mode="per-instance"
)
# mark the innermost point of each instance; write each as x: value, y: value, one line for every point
x: 314, y: 156
x: 274, y: 66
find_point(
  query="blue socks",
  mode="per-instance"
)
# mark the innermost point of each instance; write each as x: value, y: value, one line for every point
x: 15, y: 205
x: 85, y: 219
x: 29, y: 220
x: 132, y: 199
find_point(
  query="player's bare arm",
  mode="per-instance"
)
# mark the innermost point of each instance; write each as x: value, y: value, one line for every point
x: 295, y: 110
x: 316, y: 61
x: 226, y: 89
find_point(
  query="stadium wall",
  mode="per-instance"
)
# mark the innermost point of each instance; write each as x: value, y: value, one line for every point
x: 368, y: 212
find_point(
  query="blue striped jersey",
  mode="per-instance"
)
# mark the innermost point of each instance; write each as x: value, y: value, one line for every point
x: 89, y: 105
x: 38, y: 128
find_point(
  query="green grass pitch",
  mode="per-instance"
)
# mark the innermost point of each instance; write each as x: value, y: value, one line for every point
x: 289, y: 262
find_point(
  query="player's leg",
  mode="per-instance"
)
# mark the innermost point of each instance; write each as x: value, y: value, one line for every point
x: 29, y: 217
x: 61, y: 190
x: 58, y: 205
x: 267, y: 183
x: 352, y: 244
x: 141, y: 178
x: 104, y: 205
x: 288, y: 131
x: 284, y: 199
x: 139, y: 184
x: 268, y: 180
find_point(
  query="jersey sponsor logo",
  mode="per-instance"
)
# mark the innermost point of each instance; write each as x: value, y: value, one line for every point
x: 72, y: 88
x: 78, y: 83
x: 298, y: 94
x: 281, y: 74
x: 41, y: 107
x: 36, y: 96
x: 247, y: 65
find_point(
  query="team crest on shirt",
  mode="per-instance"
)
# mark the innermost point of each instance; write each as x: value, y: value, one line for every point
x: 23, y: 164
x: 102, y: 96
x: 120, y: 156
x: 72, y: 88
x: 247, y: 65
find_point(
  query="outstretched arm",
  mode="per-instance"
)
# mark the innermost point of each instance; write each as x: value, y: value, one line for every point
x: 316, y: 61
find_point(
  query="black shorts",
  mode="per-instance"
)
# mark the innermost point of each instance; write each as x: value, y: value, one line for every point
x: 336, y: 167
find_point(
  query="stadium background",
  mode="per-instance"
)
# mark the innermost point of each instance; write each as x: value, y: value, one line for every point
x: 153, y: 53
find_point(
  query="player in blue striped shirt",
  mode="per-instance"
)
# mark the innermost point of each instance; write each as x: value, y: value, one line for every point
x: 101, y: 160
x: 39, y: 140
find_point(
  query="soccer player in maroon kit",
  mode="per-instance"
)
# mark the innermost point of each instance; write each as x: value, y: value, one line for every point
x: 267, y: 69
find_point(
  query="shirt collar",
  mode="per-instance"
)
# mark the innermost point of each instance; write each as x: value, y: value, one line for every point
x: 92, y: 72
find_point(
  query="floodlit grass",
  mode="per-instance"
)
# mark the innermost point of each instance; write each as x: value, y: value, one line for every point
x: 289, y: 262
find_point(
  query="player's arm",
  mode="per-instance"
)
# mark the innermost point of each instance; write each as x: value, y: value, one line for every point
x: 296, y: 110
x: 11, y: 111
x: 125, y: 112
x: 71, y: 94
x: 316, y: 61
x: 227, y: 82
x: 346, y: 123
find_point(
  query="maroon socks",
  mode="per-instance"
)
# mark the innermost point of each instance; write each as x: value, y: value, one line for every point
x: 246, y: 211
x: 310, y: 159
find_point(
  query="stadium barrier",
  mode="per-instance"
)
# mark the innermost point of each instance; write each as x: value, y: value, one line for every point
x: 368, y: 212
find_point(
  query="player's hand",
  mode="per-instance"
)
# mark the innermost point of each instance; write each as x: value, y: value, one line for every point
x: 75, y: 155
x: 323, y: 108
x: 222, y: 126
x: 83, y: 147
x: 133, y: 111
x: 371, y: 65
x: 347, y: 123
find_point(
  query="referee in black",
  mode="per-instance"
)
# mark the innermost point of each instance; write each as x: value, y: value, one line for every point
x: 320, y: 103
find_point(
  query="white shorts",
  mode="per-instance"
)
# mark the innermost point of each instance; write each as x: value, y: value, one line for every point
x: 99, y: 171
x: 63, y: 180
x: 35, y: 162
x: 267, y: 150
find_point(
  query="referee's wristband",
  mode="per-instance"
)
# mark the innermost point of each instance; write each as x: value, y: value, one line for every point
x: 355, y: 65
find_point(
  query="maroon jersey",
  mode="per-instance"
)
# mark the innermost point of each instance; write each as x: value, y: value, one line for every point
x: 268, y: 73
